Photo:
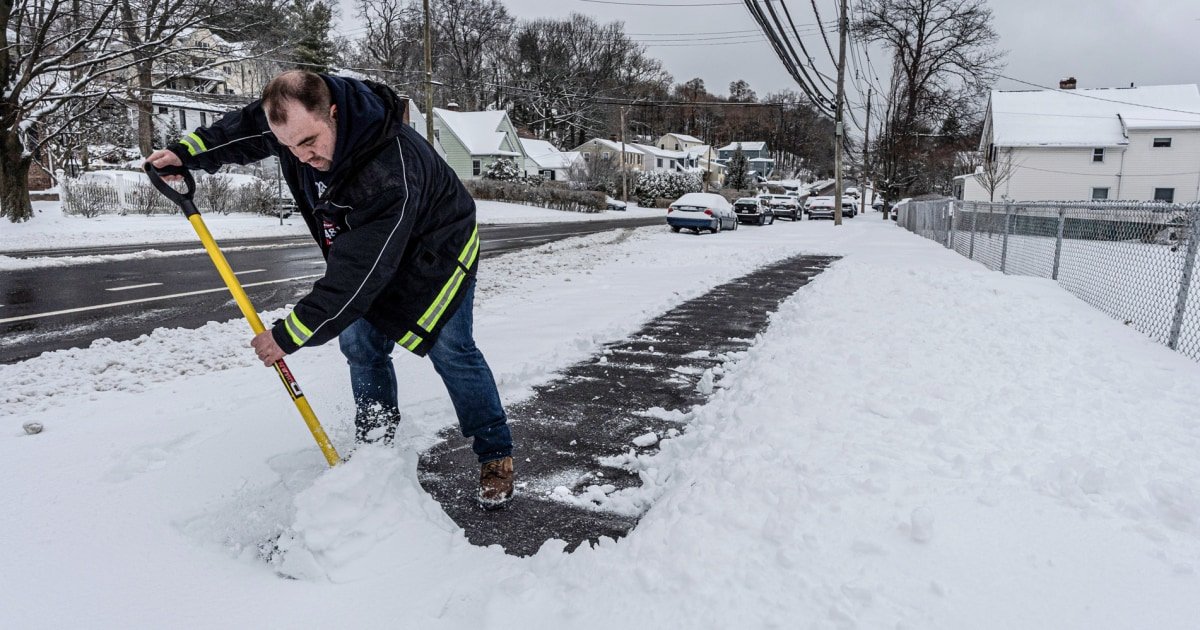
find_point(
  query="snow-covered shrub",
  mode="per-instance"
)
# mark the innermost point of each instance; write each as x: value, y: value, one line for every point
x: 145, y: 199
x: 258, y: 196
x: 651, y: 185
x: 89, y: 199
x: 503, y: 169
x: 215, y: 193
x: 546, y: 196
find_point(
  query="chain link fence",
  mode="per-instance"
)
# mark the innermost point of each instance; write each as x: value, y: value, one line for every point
x: 1135, y: 261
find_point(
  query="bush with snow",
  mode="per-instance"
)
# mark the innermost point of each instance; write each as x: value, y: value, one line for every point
x: 503, y: 169
x: 651, y: 185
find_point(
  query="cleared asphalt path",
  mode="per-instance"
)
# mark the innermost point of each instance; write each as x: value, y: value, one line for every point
x: 52, y: 308
x: 596, y: 408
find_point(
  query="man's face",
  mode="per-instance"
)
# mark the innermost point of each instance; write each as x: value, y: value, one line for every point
x: 310, y: 137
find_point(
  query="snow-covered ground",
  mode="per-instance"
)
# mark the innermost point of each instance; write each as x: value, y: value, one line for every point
x: 914, y: 442
x: 50, y: 228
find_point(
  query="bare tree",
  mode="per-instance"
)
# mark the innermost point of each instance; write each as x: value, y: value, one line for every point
x: 54, y: 57
x: 471, y: 34
x: 995, y: 171
x: 563, y: 69
x: 941, y: 51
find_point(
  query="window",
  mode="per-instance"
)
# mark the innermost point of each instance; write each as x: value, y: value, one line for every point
x: 437, y: 135
x: 162, y: 109
x: 1164, y: 194
x: 606, y: 155
x: 659, y: 164
x: 183, y: 120
x: 1097, y: 155
x: 476, y: 167
x: 1162, y: 143
x: 203, y: 119
x: 1099, y: 193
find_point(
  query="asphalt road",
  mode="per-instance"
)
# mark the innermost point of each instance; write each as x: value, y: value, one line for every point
x: 53, y: 308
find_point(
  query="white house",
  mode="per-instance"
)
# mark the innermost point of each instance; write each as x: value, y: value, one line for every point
x: 1137, y: 143
x: 678, y: 142
x: 656, y: 159
x: 605, y: 150
x: 551, y: 163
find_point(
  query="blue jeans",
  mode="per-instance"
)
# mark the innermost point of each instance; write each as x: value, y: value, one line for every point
x: 461, y: 365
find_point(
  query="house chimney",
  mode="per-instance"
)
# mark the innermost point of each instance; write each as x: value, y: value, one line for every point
x: 612, y: 137
x: 1067, y: 84
x: 452, y: 106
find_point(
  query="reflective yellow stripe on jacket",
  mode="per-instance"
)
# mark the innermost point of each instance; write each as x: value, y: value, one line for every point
x: 193, y: 143
x: 434, y: 313
x: 296, y: 330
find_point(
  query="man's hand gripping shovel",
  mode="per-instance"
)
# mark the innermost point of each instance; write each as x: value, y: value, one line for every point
x: 184, y: 200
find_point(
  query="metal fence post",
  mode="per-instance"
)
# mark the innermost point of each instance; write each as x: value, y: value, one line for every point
x: 971, y: 251
x: 1062, y: 221
x: 950, y: 226
x: 1004, y: 243
x: 1189, y: 267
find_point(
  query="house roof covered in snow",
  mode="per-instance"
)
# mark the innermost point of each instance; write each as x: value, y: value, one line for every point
x: 746, y: 146
x: 547, y: 155
x: 480, y: 132
x: 662, y: 153
x: 611, y: 145
x: 185, y: 102
x: 1087, y: 117
x: 686, y: 138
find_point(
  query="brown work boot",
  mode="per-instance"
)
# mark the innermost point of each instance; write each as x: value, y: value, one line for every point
x: 496, y: 483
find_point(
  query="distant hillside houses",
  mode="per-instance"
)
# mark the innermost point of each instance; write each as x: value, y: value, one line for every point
x: 1135, y: 143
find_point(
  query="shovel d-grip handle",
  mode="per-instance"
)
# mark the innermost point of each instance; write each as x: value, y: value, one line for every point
x: 182, y: 199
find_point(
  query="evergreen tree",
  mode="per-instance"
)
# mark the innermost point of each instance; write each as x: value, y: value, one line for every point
x: 312, y: 21
x: 737, y: 176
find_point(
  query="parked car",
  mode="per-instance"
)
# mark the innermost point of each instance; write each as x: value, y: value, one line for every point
x: 753, y: 210
x: 852, y: 191
x: 614, y: 204
x: 819, y: 207
x: 701, y: 211
x: 783, y: 206
x: 849, y: 207
x: 877, y: 203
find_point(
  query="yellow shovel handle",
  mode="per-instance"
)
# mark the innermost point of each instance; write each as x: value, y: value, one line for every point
x: 281, y: 368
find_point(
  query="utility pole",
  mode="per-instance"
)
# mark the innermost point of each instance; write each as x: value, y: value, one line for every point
x: 624, y: 176
x: 838, y: 125
x: 862, y: 194
x: 428, y: 76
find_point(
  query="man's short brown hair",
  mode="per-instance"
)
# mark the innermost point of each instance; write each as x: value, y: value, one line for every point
x: 304, y: 87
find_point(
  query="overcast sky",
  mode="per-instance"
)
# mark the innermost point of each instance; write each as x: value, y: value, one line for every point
x: 1103, y: 43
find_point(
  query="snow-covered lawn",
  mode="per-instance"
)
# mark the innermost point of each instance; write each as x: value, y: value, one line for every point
x: 914, y: 442
x: 51, y: 228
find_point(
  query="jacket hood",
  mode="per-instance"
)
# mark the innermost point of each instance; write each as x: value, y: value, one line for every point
x: 361, y: 118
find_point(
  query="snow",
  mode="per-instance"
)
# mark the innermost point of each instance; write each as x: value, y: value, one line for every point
x: 50, y: 228
x: 1089, y: 117
x: 914, y: 442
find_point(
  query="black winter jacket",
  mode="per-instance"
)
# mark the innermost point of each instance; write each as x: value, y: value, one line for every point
x: 395, y: 224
